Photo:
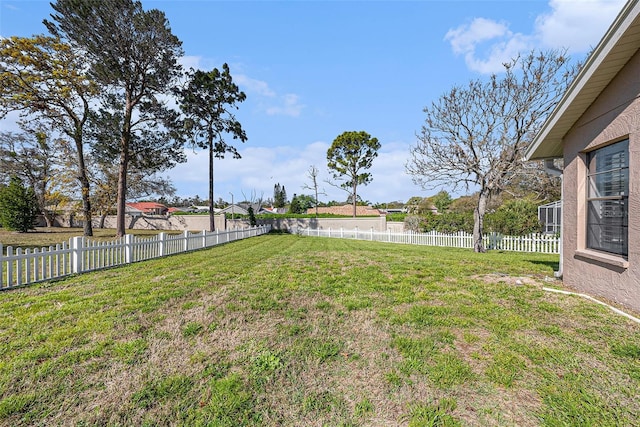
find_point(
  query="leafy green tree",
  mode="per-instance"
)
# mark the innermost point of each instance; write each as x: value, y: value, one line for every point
x: 419, y: 205
x: 300, y: 204
x: 442, y: 200
x: 279, y: 196
x: 134, y: 56
x: 252, y: 217
x: 349, y: 155
x: 475, y: 136
x: 413, y: 204
x: 18, y: 206
x: 295, y: 207
x: 208, y: 101
x: 45, y: 78
x: 32, y: 157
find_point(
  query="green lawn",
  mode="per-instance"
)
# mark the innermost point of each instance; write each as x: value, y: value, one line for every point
x: 289, y: 330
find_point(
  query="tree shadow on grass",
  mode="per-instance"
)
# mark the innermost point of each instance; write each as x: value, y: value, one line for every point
x: 555, y: 265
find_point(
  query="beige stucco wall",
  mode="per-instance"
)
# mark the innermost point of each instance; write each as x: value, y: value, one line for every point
x: 173, y: 222
x: 201, y: 222
x: 363, y: 223
x: 614, y: 116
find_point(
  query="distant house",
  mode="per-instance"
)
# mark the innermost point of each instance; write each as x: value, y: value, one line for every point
x: 202, y: 209
x: 146, y: 208
x: 346, y: 210
x: 273, y: 210
x: 173, y: 210
x: 234, y: 209
x: 596, y: 130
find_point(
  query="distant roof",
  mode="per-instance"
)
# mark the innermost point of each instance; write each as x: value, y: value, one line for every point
x: 236, y: 209
x: 618, y: 45
x: 147, y: 205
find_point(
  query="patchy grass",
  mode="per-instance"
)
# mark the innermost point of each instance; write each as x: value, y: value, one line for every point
x: 290, y: 330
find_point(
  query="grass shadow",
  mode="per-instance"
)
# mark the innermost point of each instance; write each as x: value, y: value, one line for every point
x: 555, y: 265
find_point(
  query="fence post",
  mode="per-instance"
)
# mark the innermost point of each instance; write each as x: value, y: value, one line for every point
x: 9, y: 267
x: 186, y: 240
x: 161, y: 241
x: 128, y: 248
x: 1, y: 266
x: 204, y: 238
x: 77, y: 244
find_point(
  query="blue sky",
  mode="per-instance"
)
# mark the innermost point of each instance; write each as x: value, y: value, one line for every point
x: 314, y: 69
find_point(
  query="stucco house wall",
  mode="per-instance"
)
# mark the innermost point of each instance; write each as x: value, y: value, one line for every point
x: 600, y: 108
x: 614, y: 116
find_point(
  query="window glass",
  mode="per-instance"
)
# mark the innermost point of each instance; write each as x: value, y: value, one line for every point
x: 607, y: 216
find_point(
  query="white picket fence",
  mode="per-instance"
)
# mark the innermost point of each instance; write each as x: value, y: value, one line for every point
x: 540, y: 243
x: 25, y: 266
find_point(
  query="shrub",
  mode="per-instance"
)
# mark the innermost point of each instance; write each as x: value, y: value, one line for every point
x: 18, y: 206
x: 516, y: 217
x: 449, y: 222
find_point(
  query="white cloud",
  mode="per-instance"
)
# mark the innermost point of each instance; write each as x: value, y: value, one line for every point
x: 290, y: 106
x: 256, y: 86
x: 465, y: 38
x: 267, y: 99
x: 576, y: 25
x: 260, y: 168
x: 503, y: 44
x: 191, y: 61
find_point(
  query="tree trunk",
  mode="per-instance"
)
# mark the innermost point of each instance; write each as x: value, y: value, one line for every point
x: 355, y: 198
x: 212, y: 225
x: 478, y: 221
x: 84, y: 188
x: 103, y: 217
x: 125, y: 138
x: 48, y: 218
x: 122, y: 194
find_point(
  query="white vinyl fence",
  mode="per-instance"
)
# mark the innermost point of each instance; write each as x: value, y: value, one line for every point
x: 24, y: 266
x: 540, y: 243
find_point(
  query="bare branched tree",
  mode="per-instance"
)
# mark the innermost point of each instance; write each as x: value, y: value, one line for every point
x: 312, y: 174
x: 475, y: 136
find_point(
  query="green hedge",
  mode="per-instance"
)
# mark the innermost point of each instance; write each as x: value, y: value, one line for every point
x: 513, y: 218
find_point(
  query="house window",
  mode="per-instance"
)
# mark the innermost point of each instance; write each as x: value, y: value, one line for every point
x: 607, y: 201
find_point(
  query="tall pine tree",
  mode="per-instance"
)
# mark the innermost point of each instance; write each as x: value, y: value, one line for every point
x: 279, y: 196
